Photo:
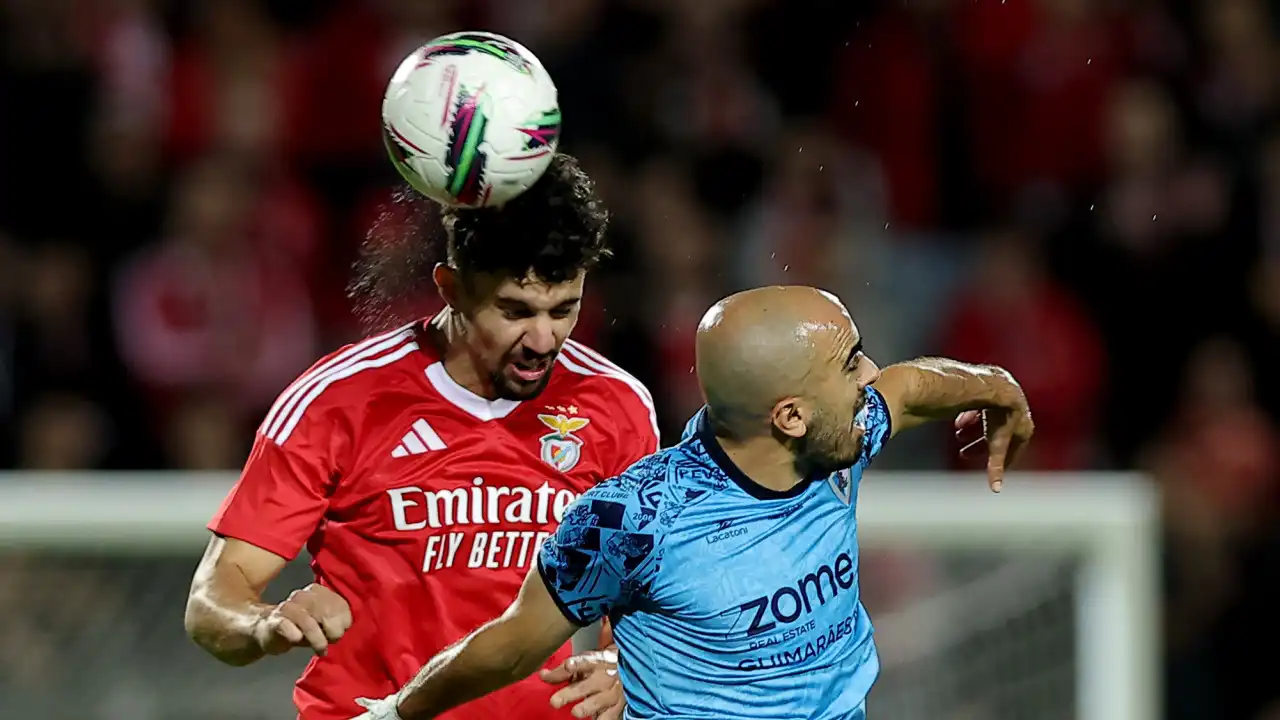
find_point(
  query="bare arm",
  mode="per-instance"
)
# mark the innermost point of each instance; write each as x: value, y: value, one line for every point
x: 225, y: 604
x: 927, y: 389
x: 227, y: 617
x: 498, y: 654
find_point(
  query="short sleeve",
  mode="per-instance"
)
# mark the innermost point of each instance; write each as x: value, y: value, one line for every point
x: 875, y: 423
x: 599, y: 562
x: 283, y: 491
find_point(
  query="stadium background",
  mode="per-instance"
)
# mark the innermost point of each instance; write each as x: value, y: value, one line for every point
x: 1081, y: 190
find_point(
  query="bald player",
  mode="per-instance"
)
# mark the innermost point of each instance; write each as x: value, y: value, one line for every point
x: 728, y: 564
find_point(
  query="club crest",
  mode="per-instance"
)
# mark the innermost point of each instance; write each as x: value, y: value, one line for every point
x: 842, y: 485
x: 561, y: 449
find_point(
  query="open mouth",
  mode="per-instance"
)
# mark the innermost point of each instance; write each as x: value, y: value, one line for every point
x: 856, y: 423
x: 531, y: 370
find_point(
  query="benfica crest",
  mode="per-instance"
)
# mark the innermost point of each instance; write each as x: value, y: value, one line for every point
x: 842, y: 485
x: 561, y: 449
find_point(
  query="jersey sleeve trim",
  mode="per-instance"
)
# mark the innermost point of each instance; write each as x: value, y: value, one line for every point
x: 292, y: 404
x: 583, y: 360
x: 255, y: 537
x: 878, y: 426
x: 551, y: 590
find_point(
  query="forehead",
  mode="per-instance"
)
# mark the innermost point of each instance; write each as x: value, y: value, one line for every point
x: 830, y: 318
x: 529, y: 290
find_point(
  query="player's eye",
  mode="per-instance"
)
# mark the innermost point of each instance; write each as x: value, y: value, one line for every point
x: 561, y: 312
x: 516, y: 312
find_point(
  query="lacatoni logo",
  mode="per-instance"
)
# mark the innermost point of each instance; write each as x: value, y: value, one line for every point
x: 414, y: 509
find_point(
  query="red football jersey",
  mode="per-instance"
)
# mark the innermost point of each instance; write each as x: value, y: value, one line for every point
x: 423, y: 504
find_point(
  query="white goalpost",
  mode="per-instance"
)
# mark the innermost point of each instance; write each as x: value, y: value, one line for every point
x: 1039, y: 602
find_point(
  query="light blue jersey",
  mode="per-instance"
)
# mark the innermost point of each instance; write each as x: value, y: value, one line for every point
x: 728, y: 600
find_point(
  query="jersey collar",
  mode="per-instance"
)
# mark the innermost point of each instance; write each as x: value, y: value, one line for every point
x: 469, y: 402
x: 726, y: 465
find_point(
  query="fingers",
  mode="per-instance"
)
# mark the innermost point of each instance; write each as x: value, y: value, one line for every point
x: 286, y: 629
x: 556, y: 675
x: 335, y: 626
x: 594, y: 684
x: 997, y: 452
x: 967, y: 418
x: 314, y: 616
x: 598, y: 703
x: 1004, y: 432
x: 312, y: 633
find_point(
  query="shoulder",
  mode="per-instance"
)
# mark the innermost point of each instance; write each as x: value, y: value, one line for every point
x: 603, y: 378
x: 337, y: 385
x: 654, y: 491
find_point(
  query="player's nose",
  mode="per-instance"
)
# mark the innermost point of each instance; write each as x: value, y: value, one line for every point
x: 873, y: 373
x: 540, y: 336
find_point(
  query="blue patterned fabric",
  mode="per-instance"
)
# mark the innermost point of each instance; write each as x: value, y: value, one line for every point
x: 728, y: 600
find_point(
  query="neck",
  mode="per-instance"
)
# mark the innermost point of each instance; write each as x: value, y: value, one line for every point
x: 764, y: 461
x: 449, y: 336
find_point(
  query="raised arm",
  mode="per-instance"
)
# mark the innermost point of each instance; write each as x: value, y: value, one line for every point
x: 499, y: 653
x: 927, y: 389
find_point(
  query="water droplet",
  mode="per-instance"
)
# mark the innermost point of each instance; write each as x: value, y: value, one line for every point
x: 855, y: 103
x: 1153, y: 218
x: 1090, y: 208
x: 786, y: 268
x: 820, y: 168
x: 773, y: 255
x: 886, y: 226
x: 1089, y: 61
x: 800, y: 149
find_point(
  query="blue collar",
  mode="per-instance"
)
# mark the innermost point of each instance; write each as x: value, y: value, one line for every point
x: 707, y: 436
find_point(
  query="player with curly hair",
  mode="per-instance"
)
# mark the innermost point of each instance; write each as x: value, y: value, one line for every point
x: 423, y: 467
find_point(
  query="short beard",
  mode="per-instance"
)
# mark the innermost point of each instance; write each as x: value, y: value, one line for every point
x: 824, y: 449
x: 506, y: 391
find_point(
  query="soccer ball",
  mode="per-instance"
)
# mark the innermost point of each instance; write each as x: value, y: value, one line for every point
x: 471, y: 119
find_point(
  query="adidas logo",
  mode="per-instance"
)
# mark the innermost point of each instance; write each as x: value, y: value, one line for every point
x: 422, y: 438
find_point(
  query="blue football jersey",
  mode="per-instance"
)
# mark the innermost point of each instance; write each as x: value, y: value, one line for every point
x: 728, y: 600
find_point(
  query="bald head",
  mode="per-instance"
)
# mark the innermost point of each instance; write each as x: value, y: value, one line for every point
x: 759, y: 347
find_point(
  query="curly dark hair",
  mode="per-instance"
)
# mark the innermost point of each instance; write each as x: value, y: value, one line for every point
x: 553, y: 230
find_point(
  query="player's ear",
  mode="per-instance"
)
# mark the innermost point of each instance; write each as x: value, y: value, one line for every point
x: 790, y: 418
x: 448, y: 284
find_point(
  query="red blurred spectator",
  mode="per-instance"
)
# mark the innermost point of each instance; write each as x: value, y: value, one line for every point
x: 211, y: 306
x: 1038, y: 77
x: 888, y: 100
x: 227, y: 81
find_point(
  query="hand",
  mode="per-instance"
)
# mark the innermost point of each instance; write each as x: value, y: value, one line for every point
x: 1006, y: 431
x: 382, y: 709
x: 596, y: 685
x: 311, y: 617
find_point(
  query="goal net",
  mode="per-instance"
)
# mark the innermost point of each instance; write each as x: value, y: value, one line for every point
x: 1036, y: 604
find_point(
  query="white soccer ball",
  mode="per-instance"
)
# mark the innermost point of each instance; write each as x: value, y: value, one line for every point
x: 471, y: 119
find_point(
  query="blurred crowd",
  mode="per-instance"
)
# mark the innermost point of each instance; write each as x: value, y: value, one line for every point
x: 1079, y: 190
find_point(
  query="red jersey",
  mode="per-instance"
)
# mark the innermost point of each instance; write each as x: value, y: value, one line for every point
x: 423, y: 504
